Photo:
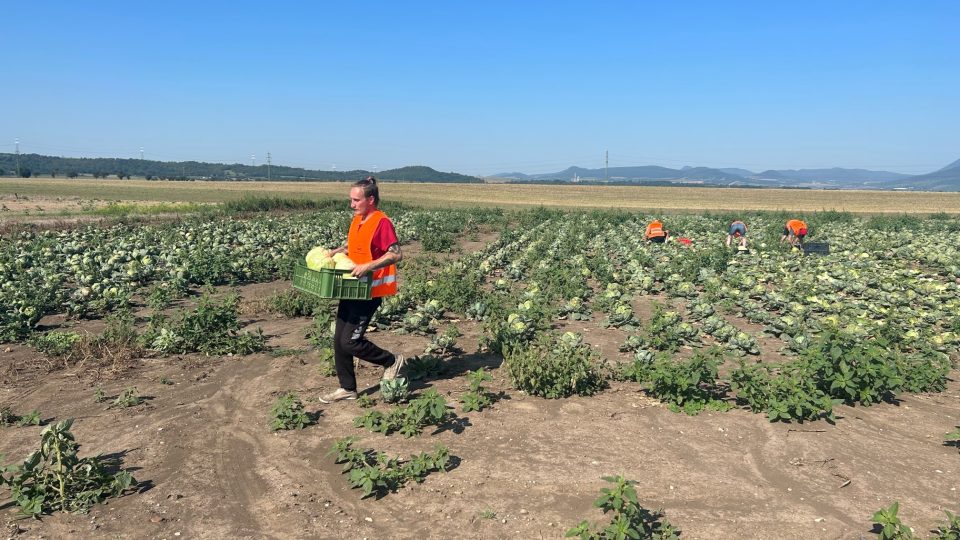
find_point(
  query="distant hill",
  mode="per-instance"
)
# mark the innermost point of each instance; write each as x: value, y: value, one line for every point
x: 954, y: 165
x: 734, y: 171
x: 945, y: 179
x: 40, y: 165
x: 514, y: 175
x: 771, y: 175
x: 835, y: 176
x: 739, y: 172
x: 421, y: 173
x: 619, y: 174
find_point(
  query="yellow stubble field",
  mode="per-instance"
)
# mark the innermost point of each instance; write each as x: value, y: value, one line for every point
x: 675, y: 199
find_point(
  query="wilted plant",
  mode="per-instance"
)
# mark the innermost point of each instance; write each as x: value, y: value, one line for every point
x: 953, y: 437
x: 128, y: 398
x: 9, y: 418
x: 32, y: 418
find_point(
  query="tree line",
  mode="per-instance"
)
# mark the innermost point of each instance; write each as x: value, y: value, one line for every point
x: 39, y: 165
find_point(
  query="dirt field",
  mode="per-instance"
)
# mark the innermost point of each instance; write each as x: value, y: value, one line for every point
x: 15, y: 204
x: 57, y: 211
x: 505, y: 195
x: 210, y: 467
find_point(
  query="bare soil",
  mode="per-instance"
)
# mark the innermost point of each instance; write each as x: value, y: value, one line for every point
x: 15, y: 203
x: 19, y: 211
x: 210, y: 467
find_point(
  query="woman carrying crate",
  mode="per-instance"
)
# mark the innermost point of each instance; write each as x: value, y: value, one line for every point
x: 372, y: 244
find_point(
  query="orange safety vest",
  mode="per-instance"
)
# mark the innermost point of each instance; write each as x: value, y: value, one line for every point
x: 358, y: 249
x: 795, y: 225
x: 655, y: 229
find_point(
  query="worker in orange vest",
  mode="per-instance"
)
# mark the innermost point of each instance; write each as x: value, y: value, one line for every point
x: 655, y: 232
x: 794, y: 232
x: 373, y: 245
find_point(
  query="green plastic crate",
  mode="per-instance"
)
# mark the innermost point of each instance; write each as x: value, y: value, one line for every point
x: 330, y: 283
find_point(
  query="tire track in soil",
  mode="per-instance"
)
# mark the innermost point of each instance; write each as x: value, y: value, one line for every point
x: 266, y: 476
x: 212, y: 451
x: 772, y: 475
x: 236, y: 450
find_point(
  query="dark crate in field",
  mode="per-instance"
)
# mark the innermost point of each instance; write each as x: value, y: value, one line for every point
x: 816, y: 248
x: 330, y: 283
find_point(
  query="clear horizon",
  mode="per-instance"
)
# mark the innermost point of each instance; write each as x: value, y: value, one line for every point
x: 481, y: 89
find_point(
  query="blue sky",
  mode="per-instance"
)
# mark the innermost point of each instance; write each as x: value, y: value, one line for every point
x: 486, y: 87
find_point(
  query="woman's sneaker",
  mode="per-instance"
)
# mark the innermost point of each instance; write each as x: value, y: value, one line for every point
x: 393, y: 370
x: 338, y: 395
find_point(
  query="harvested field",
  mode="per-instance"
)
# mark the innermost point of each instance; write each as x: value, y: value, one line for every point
x: 674, y: 199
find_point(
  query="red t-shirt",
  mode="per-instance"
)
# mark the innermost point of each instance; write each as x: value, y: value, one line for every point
x: 384, y: 237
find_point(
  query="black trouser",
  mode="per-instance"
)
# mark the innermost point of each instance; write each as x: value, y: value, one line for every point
x: 349, y: 340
